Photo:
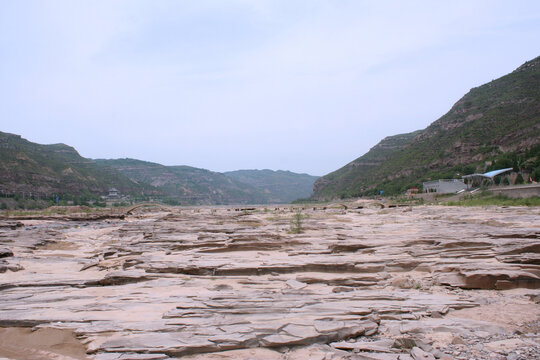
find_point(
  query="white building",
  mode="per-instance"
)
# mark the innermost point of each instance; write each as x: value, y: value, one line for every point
x: 444, y: 186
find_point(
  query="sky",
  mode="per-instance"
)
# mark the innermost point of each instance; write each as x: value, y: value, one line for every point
x: 305, y: 86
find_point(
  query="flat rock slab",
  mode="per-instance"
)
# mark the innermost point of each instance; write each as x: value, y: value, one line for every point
x: 376, y: 346
x: 213, y: 283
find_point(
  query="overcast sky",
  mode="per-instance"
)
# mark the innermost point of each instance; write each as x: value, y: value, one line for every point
x: 305, y: 86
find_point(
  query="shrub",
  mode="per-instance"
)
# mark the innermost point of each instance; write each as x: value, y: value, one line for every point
x: 296, y: 223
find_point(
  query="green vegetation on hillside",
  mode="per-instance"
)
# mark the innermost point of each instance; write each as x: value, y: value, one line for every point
x: 34, y: 176
x: 496, y: 200
x: 185, y: 184
x: 527, y: 163
x: 490, y: 121
x: 45, y: 171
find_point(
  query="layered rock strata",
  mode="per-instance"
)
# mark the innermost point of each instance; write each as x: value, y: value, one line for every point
x: 215, y: 283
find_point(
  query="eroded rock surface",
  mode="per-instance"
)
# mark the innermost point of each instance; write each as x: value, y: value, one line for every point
x: 214, y: 283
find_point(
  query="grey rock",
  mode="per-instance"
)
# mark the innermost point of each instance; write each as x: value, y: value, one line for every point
x: 419, y: 354
x: 277, y: 340
x: 296, y: 285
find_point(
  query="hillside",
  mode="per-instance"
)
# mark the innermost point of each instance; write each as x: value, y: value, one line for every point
x: 366, y: 165
x: 188, y: 185
x: 46, y: 170
x: 499, y: 117
x: 279, y: 186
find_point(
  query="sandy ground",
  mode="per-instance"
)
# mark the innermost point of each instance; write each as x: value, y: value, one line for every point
x: 40, y: 344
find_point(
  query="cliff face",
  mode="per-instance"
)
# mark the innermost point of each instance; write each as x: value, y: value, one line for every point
x: 498, y: 117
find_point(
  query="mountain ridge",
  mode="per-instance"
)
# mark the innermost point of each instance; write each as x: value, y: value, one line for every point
x: 495, y: 118
x: 187, y: 184
x: 53, y: 169
x: 29, y: 169
x: 281, y: 186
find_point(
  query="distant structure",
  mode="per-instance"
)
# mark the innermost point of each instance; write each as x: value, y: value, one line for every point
x: 444, y: 186
x: 412, y: 190
x: 477, y: 179
x: 114, y: 197
x: 113, y: 194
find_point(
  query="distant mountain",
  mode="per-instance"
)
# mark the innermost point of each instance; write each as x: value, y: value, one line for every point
x: 58, y: 169
x: 55, y: 169
x: 188, y: 185
x: 279, y: 186
x: 499, y: 117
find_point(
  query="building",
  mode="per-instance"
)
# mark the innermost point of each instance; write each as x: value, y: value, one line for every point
x: 113, y: 193
x: 444, y: 186
x: 114, y: 197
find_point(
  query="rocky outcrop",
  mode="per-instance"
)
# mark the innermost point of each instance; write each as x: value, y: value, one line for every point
x: 500, y: 116
x: 208, y: 283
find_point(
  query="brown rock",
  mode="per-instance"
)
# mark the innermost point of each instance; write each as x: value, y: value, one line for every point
x: 5, y: 252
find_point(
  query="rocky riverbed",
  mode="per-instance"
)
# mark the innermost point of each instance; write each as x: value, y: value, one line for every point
x: 426, y: 282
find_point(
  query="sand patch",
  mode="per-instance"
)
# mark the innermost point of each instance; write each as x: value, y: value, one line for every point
x: 508, y: 315
x: 42, y: 344
x: 60, y: 245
